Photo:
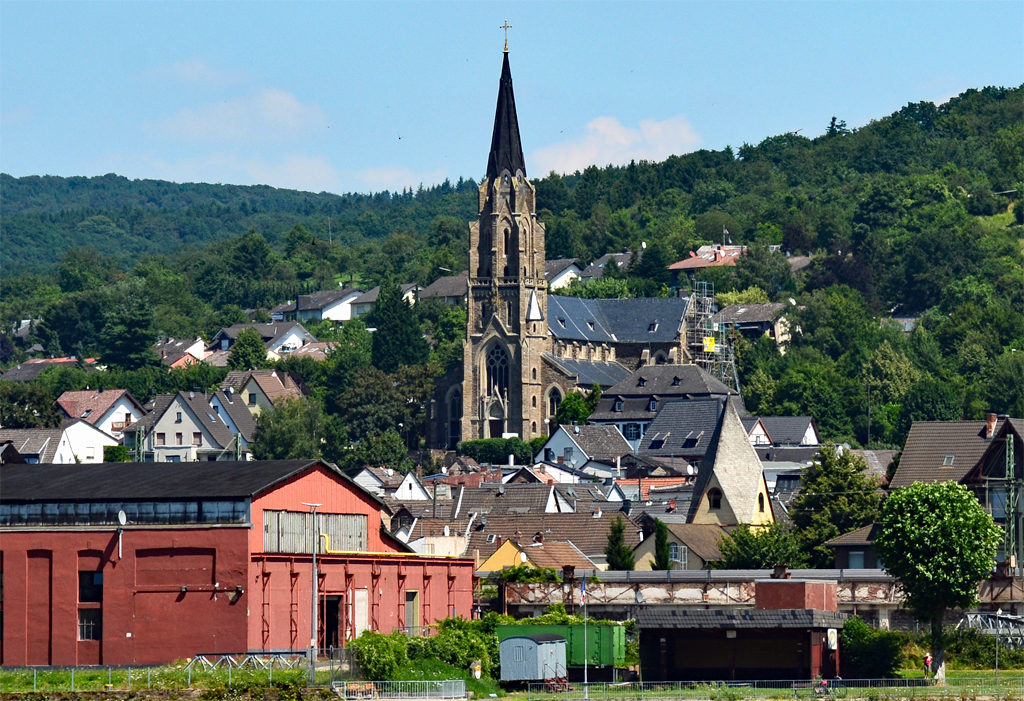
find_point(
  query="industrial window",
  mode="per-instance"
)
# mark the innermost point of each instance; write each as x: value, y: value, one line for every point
x: 197, y: 438
x: 178, y: 439
x: 90, y: 589
x: 715, y: 499
x: 90, y: 624
x: 161, y: 439
x: 293, y: 532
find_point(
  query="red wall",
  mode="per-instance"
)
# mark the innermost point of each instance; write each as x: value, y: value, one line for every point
x: 146, y: 617
x: 795, y: 594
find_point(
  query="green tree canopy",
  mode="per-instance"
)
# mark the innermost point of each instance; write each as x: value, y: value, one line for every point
x: 939, y: 542
x: 836, y: 496
x: 398, y: 340
x: 760, y: 547
x: 24, y: 405
x: 619, y: 555
x: 248, y: 352
x: 572, y: 409
x: 292, y: 430
x: 662, y: 552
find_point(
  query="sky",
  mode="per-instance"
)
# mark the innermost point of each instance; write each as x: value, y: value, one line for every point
x: 363, y: 97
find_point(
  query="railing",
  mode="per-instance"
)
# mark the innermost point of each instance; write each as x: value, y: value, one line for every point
x: 962, y: 687
x: 439, y: 689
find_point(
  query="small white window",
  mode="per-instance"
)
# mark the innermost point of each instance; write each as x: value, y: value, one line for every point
x: 948, y: 461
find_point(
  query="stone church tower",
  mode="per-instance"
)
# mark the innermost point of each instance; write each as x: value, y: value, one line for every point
x: 507, y: 298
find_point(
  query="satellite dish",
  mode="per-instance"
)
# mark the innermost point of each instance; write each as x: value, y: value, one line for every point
x: 639, y: 596
x: 447, y: 531
x: 122, y: 518
x: 522, y: 558
x: 444, y: 470
x: 689, y: 469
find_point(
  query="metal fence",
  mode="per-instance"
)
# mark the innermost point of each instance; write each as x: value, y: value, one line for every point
x: 439, y: 689
x: 1003, y: 687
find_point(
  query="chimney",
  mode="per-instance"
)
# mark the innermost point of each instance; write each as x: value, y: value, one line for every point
x: 560, y: 459
x: 671, y: 506
x: 990, y: 425
x: 419, y: 476
x: 539, y: 538
x: 781, y: 572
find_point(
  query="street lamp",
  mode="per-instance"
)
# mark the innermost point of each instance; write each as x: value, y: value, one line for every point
x: 999, y: 612
x: 313, y: 627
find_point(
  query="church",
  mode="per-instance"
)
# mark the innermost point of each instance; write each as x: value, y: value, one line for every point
x: 524, y: 351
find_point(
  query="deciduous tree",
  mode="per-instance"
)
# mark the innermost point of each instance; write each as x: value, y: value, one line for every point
x: 248, y: 352
x: 292, y: 430
x: 760, y: 547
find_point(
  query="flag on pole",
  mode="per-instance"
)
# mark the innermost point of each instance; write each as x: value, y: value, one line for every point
x: 583, y: 592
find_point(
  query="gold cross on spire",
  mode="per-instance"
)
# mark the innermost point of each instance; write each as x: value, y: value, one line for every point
x: 506, y: 27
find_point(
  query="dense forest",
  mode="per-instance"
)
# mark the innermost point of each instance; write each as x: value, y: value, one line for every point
x: 917, y: 214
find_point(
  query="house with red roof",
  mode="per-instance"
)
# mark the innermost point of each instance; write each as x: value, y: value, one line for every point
x: 110, y: 410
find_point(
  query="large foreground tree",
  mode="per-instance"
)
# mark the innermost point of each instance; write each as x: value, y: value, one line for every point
x: 939, y: 542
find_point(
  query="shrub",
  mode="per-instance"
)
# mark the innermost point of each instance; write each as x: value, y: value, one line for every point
x: 528, y: 573
x: 869, y: 653
x: 116, y: 453
x: 496, y: 450
x: 379, y: 656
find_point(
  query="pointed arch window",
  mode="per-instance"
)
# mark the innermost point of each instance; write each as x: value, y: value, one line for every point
x: 497, y: 370
x: 554, y: 399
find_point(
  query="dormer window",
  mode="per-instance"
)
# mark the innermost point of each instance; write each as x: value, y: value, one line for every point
x: 656, y: 444
x: 591, y: 325
x: 652, y: 405
x: 641, y: 382
x: 562, y: 322
x: 653, y: 327
x: 675, y: 381
x: 715, y: 499
x: 690, y: 442
x: 618, y: 405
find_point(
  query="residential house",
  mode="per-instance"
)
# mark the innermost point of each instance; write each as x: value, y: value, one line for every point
x: 450, y: 290
x: 856, y: 550
x: 183, y: 427
x: 364, y: 303
x: 541, y: 553
x: 943, y: 451
x: 31, y: 369
x: 755, y: 320
x: 632, y: 404
x: 333, y: 305
x: 230, y: 408
x: 548, y: 473
x: 692, y: 546
x: 708, y: 257
x: 261, y: 389
x: 279, y: 337
x: 1002, y: 462
x: 730, y: 487
x: 582, y: 446
x: 560, y: 272
x: 77, y: 442
x: 791, y: 431
x: 597, y: 269
x: 386, y: 482
x: 435, y: 536
x: 180, y: 352
x: 317, y: 351
x: 110, y: 410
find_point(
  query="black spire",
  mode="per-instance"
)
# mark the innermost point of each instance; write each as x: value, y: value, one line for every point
x: 506, y: 149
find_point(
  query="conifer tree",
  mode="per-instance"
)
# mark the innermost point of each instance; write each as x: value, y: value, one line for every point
x: 662, y: 553
x: 248, y: 352
x: 398, y: 340
x: 620, y: 556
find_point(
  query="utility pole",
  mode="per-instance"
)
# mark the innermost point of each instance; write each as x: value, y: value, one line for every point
x: 315, y: 587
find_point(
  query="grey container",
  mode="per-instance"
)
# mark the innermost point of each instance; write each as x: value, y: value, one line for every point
x: 532, y: 657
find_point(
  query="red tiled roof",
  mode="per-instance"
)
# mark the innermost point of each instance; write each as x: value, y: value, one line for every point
x: 90, y: 404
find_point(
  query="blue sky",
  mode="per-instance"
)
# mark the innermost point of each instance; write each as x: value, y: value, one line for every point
x: 350, y: 96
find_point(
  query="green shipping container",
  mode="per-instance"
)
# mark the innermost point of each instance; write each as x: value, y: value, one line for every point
x: 606, y: 644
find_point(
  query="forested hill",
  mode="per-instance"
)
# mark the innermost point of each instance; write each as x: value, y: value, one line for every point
x: 971, y: 145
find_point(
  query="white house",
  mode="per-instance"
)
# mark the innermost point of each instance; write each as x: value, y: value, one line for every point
x: 592, y: 449
x: 78, y: 442
x: 334, y: 305
x: 384, y: 481
x: 364, y: 303
x: 110, y: 410
x: 279, y: 337
x: 561, y: 272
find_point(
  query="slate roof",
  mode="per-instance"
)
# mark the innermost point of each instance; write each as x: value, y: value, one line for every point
x: 91, y: 404
x: 203, y: 412
x: 702, y: 539
x: 518, y: 499
x: 556, y: 555
x: 930, y: 442
x: 861, y: 536
x: 371, y: 296
x: 589, y: 533
x: 741, y: 314
x: 553, y: 267
x: 590, y: 372
x: 171, y: 350
x: 787, y: 430
x: 506, y: 149
x: 681, y: 421
x: 877, y: 460
x: 31, y: 369
x: 597, y: 268
x: 1006, y: 430
x: 598, y: 442
x: 239, y: 414
x: 32, y: 441
x: 269, y: 332
x: 732, y: 460
x: 147, y: 480
x: 323, y: 298
x: 797, y: 454
x: 640, y: 320
x: 447, y: 287
x: 156, y: 407
x: 662, y: 617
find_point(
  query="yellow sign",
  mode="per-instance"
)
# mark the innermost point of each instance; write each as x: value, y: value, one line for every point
x: 709, y: 344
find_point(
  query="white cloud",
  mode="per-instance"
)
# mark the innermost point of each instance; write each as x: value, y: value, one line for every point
x: 270, y: 115
x: 195, y: 71
x: 395, y: 179
x: 607, y: 141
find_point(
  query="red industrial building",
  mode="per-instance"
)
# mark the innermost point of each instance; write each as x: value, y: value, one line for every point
x: 213, y: 557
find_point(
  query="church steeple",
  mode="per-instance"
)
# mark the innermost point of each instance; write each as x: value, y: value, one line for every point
x: 506, y: 149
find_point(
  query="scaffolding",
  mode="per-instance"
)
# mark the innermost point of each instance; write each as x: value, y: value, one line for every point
x: 708, y: 343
